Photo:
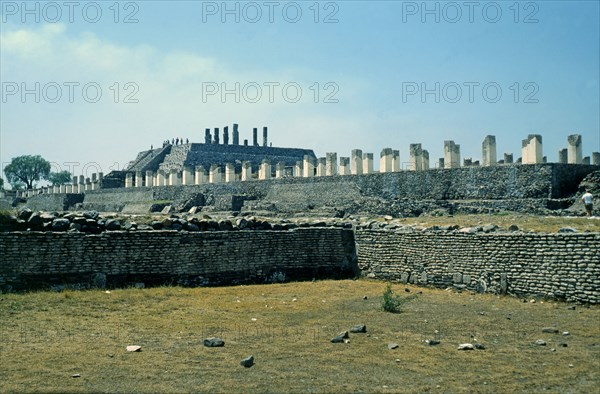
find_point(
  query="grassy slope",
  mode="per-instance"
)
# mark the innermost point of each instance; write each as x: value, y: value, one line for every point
x: 47, y: 337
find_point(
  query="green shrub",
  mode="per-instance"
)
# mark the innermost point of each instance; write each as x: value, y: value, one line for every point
x: 392, y: 302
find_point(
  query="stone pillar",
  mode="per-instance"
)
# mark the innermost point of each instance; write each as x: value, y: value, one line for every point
x: 229, y: 172
x: 245, y: 142
x: 574, y: 154
x: 331, y: 164
x: 174, y: 178
x: 356, y: 162
x: 531, y: 149
x: 149, y: 178
x: 226, y: 135
x: 199, y: 177
x: 308, y: 167
x: 468, y: 162
x: 488, y: 151
x: 138, y: 179
x: 236, y: 134
x: 55, y: 189
x: 508, y: 158
x: 216, y: 136
x: 68, y: 189
x: 344, y: 166
x: 298, y: 170
x: 385, y: 160
x: 562, y: 156
x: 62, y: 189
x: 188, y: 176
x: 416, y: 157
x: 596, y: 158
x: 321, y: 165
x: 160, y: 178
x: 265, y: 136
x: 129, y: 179
x: 367, y: 163
x: 214, y: 175
x: 586, y: 160
x: 81, y: 186
x: 425, y: 159
x: 255, y: 136
x: 395, y: 161
x: 207, y: 137
x: 265, y: 170
x: 74, y: 187
x: 280, y: 169
x: 441, y: 162
x: 88, y: 185
x: 451, y: 154
x: 246, y: 171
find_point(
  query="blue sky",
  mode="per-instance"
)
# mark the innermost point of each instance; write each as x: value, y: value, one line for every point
x: 503, y: 68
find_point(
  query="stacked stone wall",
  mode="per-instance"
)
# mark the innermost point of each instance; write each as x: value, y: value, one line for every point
x: 563, y: 266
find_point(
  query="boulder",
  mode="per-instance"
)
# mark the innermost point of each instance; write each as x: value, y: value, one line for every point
x: 247, y: 362
x: 60, y: 224
x: 214, y: 342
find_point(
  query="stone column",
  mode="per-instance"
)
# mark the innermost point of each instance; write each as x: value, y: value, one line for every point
x: 216, y: 136
x: 488, y: 151
x: 280, y: 169
x: 574, y: 154
x: 88, y: 185
x: 331, y: 164
x: 586, y: 160
x: 246, y: 171
x: 596, y: 158
x: 62, y: 189
x: 215, y: 175
x: 416, y: 157
x: 129, y: 179
x: 531, y: 149
x: 508, y: 158
x: 265, y: 136
x: 451, y: 154
x: 563, y: 156
x: 149, y: 178
x: 425, y: 159
x: 173, y: 177
x: 395, y: 161
x: 265, y: 170
x: 298, y: 170
x: 138, y: 179
x: 188, y: 176
x: 344, y: 166
x: 441, y: 162
x: 226, y: 135
x: 74, y: 187
x: 236, y: 134
x: 255, y: 136
x: 55, y: 189
x: 385, y: 160
x: 367, y: 163
x: 229, y: 172
x: 199, y: 177
x: 356, y: 162
x: 160, y: 178
x: 207, y: 136
x: 321, y: 165
x: 308, y: 167
x: 81, y: 186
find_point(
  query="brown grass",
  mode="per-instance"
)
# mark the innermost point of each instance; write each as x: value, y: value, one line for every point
x: 48, y: 337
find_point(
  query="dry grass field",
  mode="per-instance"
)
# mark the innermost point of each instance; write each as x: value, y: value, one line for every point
x: 46, y: 338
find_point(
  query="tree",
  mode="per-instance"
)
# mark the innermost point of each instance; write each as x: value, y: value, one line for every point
x: 27, y: 169
x: 59, y: 178
x: 1, y: 183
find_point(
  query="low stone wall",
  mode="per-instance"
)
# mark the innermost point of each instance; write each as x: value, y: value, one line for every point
x: 563, y: 266
x: 39, y: 260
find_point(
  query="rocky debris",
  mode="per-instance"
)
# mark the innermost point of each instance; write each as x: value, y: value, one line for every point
x: 344, y: 334
x: 479, y: 346
x: 566, y: 333
x: 393, y: 345
x: 338, y: 339
x: 564, y: 230
x: 358, y: 329
x: 550, y: 330
x: 465, y: 346
x: 112, y: 225
x: 24, y: 214
x: 540, y: 342
x: 247, y: 362
x: 76, y: 375
x: 513, y: 227
x: 489, y: 228
x: 432, y: 342
x: 134, y: 348
x: 214, y: 342
x: 60, y: 224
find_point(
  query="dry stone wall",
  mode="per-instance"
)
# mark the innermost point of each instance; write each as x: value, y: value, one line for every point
x: 563, y: 266
x: 39, y: 260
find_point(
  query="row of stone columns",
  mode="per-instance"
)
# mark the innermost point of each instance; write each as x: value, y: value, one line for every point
x: 213, y: 138
x: 79, y: 184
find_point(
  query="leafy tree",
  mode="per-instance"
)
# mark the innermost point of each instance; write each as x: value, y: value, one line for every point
x: 27, y: 169
x: 59, y: 178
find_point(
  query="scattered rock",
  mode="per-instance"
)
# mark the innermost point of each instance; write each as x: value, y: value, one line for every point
x: 214, y: 342
x: 550, y: 330
x: 60, y: 224
x: 365, y: 298
x: 247, y: 362
x: 338, y: 339
x: 465, y: 346
x: 567, y: 230
x: 393, y: 345
x: 134, y: 348
x: 24, y: 214
x: 76, y: 375
x: 359, y: 328
x: 344, y: 334
x: 540, y: 342
x: 432, y: 342
x: 479, y: 346
x: 513, y: 227
x: 112, y: 225
x: 566, y: 333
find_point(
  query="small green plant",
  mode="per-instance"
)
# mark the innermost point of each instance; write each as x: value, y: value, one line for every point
x: 392, y: 302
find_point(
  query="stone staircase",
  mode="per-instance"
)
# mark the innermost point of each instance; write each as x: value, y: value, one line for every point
x: 176, y: 158
x: 150, y: 159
